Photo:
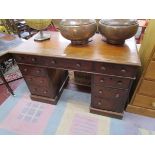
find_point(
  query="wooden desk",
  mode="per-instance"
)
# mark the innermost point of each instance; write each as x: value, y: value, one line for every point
x: 45, y: 66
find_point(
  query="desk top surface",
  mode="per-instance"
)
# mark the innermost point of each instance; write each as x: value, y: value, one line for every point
x: 8, y: 41
x: 97, y: 50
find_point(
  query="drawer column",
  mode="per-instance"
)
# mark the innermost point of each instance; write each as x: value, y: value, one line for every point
x: 109, y: 95
x: 45, y: 84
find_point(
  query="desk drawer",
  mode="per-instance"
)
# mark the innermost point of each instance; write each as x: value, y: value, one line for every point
x: 28, y: 59
x: 108, y: 104
x: 110, y: 81
x: 70, y: 64
x: 150, y: 73
x: 37, y: 81
x: 144, y: 101
x: 31, y: 70
x: 110, y: 93
x: 40, y: 91
x: 147, y: 88
x: 115, y: 69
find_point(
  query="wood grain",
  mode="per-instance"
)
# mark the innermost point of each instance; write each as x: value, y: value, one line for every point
x: 97, y: 50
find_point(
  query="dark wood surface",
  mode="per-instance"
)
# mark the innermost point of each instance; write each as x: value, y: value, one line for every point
x: 115, y: 65
x: 97, y: 50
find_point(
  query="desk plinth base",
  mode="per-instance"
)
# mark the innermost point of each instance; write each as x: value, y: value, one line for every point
x: 106, y: 113
x: 48, y: 99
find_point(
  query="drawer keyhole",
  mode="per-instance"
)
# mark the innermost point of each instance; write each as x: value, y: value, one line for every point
x: 119, y: 82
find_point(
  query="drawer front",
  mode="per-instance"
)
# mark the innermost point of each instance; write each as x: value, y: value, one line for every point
x: 147, y: 88
x: 37, y: 81
x: 30, y: 70
x: 144, y: 101
x: 108, y: 104
x: 28, y: 59
x: 110, y: 81
x: 150, y: 73
x: 55, y: 62
x: 115, y: 69
x: 110, y: 93
x: 40, y: 91
x: 70, y: 64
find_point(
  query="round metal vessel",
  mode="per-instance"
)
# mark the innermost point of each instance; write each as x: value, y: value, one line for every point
x: 78, y: 30
x: 117, y: 31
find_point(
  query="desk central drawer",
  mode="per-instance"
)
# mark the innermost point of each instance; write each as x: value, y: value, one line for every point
x: 55, y: 62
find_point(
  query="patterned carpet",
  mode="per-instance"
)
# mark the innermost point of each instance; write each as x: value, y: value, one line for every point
x: 21, y: 115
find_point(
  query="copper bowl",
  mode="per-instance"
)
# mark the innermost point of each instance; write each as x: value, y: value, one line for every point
x: 78, y: 30
x: 117, y: 30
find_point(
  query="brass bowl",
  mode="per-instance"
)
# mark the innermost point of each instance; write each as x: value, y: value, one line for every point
x: 117, y: 31
x: 78, y: 30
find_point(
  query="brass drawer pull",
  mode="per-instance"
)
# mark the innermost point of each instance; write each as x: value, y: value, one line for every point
x: 99, y: 103
x: 41, y: 81
x: 153, y: 104
x: 117, y: 95
x: 78, y: 65
x: 38, y: 71
x: 123, y: 70
x: 100, y: 91
x: 103, y: 68
x: 45, y: 92
x: 33, y: 59
x: 25, y: 69
x: 53, y: 62
x: 101, y: 80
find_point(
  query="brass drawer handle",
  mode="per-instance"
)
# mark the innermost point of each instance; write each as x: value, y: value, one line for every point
x: 41, y: 81
x: 103, y: 68
x: 99, y: 103
x: 78, y: 65
x: 100, y: 91
x: 45, y: 92
x: 101, y: 80
x: 33, y: 59
x: 53, y: 62
x: 38, y: 71
x: 25, y: 69
x: 123, y: 70
x: 117, y: 95
x: 153, y: 104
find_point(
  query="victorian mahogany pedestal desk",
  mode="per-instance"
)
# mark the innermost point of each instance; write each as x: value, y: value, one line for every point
x: 113, y: 69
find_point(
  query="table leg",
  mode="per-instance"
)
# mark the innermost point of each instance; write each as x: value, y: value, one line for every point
x: 6, y: 83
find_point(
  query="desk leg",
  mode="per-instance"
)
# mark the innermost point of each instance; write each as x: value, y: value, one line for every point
x: 6, y: 83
